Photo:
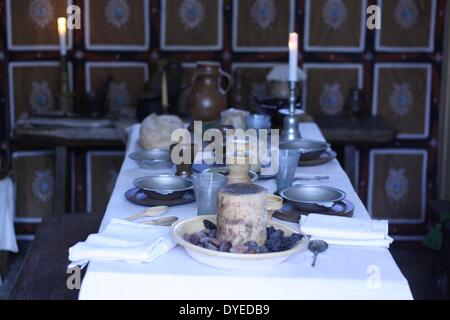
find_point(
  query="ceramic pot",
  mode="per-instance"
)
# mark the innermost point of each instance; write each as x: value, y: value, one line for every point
x: 208, y: 98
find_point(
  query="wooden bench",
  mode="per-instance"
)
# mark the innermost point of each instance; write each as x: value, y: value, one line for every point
x: 43, y: 275
x: 4, y: 259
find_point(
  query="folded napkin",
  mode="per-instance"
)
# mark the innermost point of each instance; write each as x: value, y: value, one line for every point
x: 8, y: 240
x: 123, y: 241
x: 347, y: 231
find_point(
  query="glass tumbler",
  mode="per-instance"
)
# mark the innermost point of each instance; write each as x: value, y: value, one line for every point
x: 206, y: 188
x: 288, y: 163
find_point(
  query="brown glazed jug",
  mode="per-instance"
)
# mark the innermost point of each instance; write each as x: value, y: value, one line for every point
x: 208, y: 97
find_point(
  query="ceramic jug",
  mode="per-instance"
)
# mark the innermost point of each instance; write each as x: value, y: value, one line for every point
x: 208, y: 98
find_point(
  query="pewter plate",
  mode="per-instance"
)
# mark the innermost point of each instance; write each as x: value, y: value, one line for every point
x: 309, y: 149
x: 154, y: 159
x: 164, y: 187
x: 311, y: 198
x: 325, y: 157
x: 344, y: 208
x: 140, y: 198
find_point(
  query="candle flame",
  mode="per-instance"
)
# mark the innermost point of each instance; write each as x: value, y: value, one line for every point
x: 62, y: 25
x: 293, y: 41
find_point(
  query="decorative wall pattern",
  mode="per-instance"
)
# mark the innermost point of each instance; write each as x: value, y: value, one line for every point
x: 409, y: 26
x: 402, y: 95
x: 398, y: 67
x: 102, y: 170
x: 38, y: 33
x: 35, y: 184
x: 117, y: 25
x: 397, y: 185
x: 338, y: 26
x: 128, y: 79
x: 326, y: 89
x: 34, y: 87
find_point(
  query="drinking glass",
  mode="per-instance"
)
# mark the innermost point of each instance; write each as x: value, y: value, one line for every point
x: 258, y: 121
x: 206, y: 188
x: 288, y: 163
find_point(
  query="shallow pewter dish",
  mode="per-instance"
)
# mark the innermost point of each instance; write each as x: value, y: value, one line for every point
x: 164, y: 187
x: 309, y: 149
x: 153, y: 159
x: 224, y: 171
x: 313, y: 199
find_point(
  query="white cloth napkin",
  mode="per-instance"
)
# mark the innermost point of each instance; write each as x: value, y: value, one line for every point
x: 8, y: 240
x: 347, y: 231
x: 123, y: 241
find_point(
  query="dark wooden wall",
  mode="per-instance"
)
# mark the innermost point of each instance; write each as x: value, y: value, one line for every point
x: 391, y: 161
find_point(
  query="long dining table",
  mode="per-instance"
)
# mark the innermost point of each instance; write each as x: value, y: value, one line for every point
x: 341, y: 273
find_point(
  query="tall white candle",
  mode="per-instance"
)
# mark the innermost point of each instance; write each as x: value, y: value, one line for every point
x: 293, y: 56
x: 62, y: 31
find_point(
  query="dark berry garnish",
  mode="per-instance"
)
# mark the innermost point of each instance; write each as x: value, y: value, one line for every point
x: 209, y: 225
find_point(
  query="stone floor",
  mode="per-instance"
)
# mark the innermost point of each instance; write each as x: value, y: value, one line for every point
x: 417, y: 264
x: 15, y: 264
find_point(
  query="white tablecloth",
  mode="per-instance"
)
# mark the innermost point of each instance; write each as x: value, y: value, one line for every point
x: 340, y: 273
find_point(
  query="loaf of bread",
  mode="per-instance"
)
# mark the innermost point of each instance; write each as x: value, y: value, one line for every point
x: 156, y: 131
x: 242, y: 214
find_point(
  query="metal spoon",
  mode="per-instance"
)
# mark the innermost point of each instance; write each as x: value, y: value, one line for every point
x: 317, y: 246
x: 164, y: 222
x: 151, y: 212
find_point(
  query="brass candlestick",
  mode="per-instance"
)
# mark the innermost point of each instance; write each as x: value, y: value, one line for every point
x: 292, y: 118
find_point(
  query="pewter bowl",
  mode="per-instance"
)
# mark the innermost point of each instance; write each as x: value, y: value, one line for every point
x: 164, y: 187
x: 309, y: 149
x: 313, y: 199
x: 153, y: 159
x: 224, y: 171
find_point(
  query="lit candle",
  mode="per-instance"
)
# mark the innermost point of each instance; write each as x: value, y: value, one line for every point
x: 293, y: 57
x: 62, y: 31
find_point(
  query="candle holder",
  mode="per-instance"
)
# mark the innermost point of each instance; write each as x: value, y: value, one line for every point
x: 292, y: 118
x: 66, y: 97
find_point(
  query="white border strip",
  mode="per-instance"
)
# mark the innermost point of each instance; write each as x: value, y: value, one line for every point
x: 356, y: 66
x: 73, y: 184
x: 25, y: 237
x: 362, y: 35
x: 89, y: 156
x: 28, y: 154
x: 429, y: 48
x: 13, y: 47
x: 254, y: 65
x: 357, y: 170
x: 90, y: 65
x: 30, y: 64
x: 372, y: 173
x: 428, y: 67
x: 216, y: 47
x: 235, y: 31
x: 105, y: 47
x: 416, y: 238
